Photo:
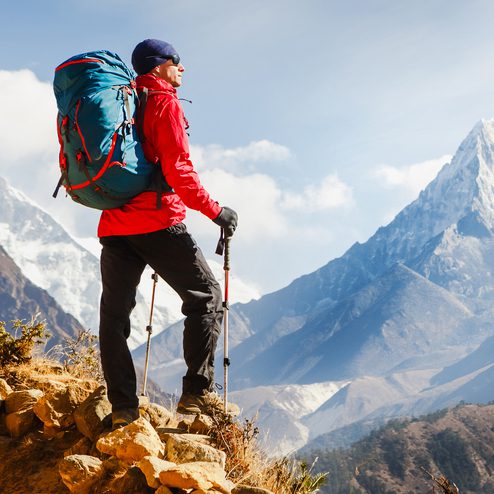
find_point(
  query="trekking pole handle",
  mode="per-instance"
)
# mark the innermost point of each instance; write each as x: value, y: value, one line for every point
x: 226, y: 265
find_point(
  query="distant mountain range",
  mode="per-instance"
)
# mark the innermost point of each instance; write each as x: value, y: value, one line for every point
x: 395, y: 318
x: 54, y: 261
x: 399, y: 325
x: 21, y: 299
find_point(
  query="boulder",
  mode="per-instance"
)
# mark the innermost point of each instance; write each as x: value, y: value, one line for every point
x: 197, y: 424
x: 56, y: 408
x: 20, y: 422
x: 183, y: 448
x: 91, y: 414
x: 132, y: 442
x: 165, y: 434
x: 80, y: 472
x: 157, y: 415
x: 21, y: 400
x: 199, y: 475
x: 5, y: 389
x: 151, y: 468
x: 202, y: 424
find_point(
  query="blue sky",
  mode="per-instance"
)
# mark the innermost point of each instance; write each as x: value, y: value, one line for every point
x: 316, y: 120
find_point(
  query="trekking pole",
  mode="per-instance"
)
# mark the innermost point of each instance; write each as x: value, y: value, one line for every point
x: 223, y: 248
x: 149, y: 329
x: 226, y: 306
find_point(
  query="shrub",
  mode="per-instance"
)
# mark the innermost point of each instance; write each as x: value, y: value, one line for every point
x: 80, y: 355
x: 16, y: 346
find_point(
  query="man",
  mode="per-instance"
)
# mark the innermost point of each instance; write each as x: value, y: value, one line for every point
x: 149, y: 231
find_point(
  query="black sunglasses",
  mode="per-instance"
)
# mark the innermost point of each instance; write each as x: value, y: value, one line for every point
x: 174, y: 58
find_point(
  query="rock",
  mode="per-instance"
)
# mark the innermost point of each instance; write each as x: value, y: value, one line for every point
x: 198, y: 475
x: 56, y: 408
x: 186, y: 422
x: 165, y: 434
x: 247, y: 489
x: 202, y: 424
x: 21, y: 400
x: 157, y: 415
x: 81, y: 447
x: 197, y: 424
x: 132, y: 442
x: 182, y: 448
x: 5, y: 389
x: 80, y: 472
x: 151, y: 468
x: 163, y: 489
x: 132, y: 482
x: 91, y: 414
x: 52, y: 432
x: 114, y: 466
x: 21, y: 422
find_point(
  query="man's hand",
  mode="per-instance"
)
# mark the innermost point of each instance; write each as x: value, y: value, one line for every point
x: 227, y: 219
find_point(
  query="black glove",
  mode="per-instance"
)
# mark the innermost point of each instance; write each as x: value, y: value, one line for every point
x: 227, y: 219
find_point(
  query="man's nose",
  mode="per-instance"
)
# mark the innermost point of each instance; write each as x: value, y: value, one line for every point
x: 181, y: 68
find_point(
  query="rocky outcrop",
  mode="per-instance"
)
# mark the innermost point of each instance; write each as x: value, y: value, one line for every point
x: 150, y: 455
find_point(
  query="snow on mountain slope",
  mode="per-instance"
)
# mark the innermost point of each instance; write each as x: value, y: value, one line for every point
x: 55, y: 261
x: 281, y: 409
x: 51, y: 259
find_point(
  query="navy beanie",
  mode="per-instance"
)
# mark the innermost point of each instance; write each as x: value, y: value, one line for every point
x: 150, y: 53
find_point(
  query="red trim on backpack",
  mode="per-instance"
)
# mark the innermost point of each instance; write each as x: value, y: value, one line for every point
x: 61, y: 157
x: 103, y: 169
x: 80, y: 132
x: 82, y: 60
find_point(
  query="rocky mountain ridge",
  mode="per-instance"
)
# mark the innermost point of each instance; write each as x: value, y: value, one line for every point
x: 456, y: 444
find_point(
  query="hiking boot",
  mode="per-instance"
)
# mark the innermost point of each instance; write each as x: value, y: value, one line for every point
x: 121, y: 418
x: 207, y: 404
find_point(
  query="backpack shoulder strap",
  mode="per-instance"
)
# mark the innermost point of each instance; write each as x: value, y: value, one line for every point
x: 142, y: 100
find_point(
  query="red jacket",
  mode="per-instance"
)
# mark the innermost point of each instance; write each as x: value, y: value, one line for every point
x: 165, y: 143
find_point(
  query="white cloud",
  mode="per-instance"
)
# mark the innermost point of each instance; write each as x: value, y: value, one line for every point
x: 256, y: 198
x: 413, y: 177
x: 331, y: 193
x: 239, y: 159
x: 27, y: 126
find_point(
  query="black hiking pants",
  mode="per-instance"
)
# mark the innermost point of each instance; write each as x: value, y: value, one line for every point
x: 175, y: 256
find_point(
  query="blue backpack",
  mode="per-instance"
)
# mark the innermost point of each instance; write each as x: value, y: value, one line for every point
x: 101, y: 160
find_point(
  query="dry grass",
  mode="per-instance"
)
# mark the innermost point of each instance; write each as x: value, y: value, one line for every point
x: 246, y: 463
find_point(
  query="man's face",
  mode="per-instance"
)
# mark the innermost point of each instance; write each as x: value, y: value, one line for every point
x: 170, y: 72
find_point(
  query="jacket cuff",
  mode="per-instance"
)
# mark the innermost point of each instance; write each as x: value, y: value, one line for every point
x: 213, y: 211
